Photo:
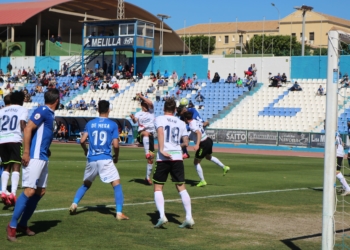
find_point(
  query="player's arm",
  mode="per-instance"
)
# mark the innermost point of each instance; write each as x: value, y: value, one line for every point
x: 133, y: 118
x: 83, y: 142
x: 185, y: 141
x: 27, y: 137
x: 206, y: 124
x: 160, y: 132
x: 115, y: 144
x: 199, y: 136
x: 147, y: 101
x: 23, y: 125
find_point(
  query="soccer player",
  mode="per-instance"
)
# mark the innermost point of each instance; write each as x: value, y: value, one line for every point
x: 36, y: 141
x: 13, y: 121
x: 340, y: 157
x: 102, y: 133
x: 145, y: 119
x: 170, y: 130
x: 203, y: 146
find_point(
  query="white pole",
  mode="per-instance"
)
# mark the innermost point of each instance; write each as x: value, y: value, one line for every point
x: 330, y: 150
x: 303, y: 37
x: 70, y: 40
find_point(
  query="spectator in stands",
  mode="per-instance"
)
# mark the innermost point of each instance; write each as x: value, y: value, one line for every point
x: 120, y: 67
x: 234, y: 78
x: 199, y: 97
x: 275, y: 81
x: 139, y: 76
x: 345, y: 81
x: 255, y: 80
x: 166, y: 96
x: 152, y: 76
x: 239, y: 83
x: 9, y: 67
x: 208, y: 75
x: 92, y: 103
x: 151, y: 89
x: 81, y: 102
x: 269, y: 78
x: 174, y: 76
x: 166, y: 75
x: 188, y: 83
x: 158, y: 76
x: 115, y: 87
x: 194, y: 77
x: 216, y: 78
x: 295, y: 87
x: 77, y: 105
x: 62, y: 131
x: 284, y: 78
x: 229, y: 78
x: 97, y: 66
x: 320, y: 90
x: 158, y: 94
x: 249, y: 83
x: 126, y: 67
x: 83, y: 106
x: 254, y: 69
x: 59, y: 39
x: 249, y: 72
x: 69, y: 105
x: 196, y: 86
x: 190, y: 104
x: 27, y: 97
x: 32, y: 92
x: 52, y: 39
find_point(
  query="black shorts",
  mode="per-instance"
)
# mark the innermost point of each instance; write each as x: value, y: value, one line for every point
x: 205, y: 148
x: 339, y: 162
x: 151, y: 140
x: 11, y: 153
x: 163, y: 168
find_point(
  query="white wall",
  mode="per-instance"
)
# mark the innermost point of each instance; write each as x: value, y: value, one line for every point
x: 22, y: 62
x: 238, y: 65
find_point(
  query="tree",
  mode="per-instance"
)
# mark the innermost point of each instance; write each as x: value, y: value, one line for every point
x: 278, y: 45
x: 199, y: 44
x: 11, y: 47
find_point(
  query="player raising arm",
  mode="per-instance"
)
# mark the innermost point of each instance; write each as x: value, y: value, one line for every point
x: 145, y: 119
x: 38, y: 135
x: 170, y: 130
x: 13, y: 121
x: 102, y: 133
x: 203, y: 147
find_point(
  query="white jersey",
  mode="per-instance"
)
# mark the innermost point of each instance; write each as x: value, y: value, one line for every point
x: 194, y: 126
x: 174, y: 129
x: 145, y: 120
x: 339, y: 146
x: 10, y: 123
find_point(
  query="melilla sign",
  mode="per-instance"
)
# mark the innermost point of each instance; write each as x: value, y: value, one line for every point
x: 103, y: 42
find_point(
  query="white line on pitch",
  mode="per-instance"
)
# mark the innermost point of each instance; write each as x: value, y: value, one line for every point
x: 174, y: 200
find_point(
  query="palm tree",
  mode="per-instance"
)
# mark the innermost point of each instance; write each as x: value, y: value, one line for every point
x: 11, y: 47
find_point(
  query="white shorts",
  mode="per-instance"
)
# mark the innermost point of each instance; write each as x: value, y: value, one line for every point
x: 105, y: 168
x: 35, y: 174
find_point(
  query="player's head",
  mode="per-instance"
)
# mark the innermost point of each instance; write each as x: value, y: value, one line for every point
x: 103, y: 107
x: 17, y: 98
x: 7, y: 99
x: 52, y: 96
x: 170, y: 106
x: 181, y: 110
x: 188, y: 116
x: 144, y: 105
x: 348, y: 120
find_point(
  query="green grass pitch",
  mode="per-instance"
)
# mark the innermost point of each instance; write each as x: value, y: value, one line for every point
x: 270, y: 203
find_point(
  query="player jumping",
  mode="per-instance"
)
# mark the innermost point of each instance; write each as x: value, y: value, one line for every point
x: 203, y: 146
x: 145, y: 119
x: 13, y: 121
x: 102, y: 133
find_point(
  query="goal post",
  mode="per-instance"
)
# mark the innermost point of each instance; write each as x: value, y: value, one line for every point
x: 328, y: 227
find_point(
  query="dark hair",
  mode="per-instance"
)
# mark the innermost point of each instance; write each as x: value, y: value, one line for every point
x: 7, y: 99
x: 51, y: 96
x: 103, y: 106
x: 17, y: 97
x: 170, y: 105
x: 188, y: 115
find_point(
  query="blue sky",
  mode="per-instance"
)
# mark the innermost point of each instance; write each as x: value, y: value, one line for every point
x: 200, y: 11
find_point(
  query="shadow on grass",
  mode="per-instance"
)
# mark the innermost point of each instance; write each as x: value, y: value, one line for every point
x: 139, y: 181
x: 171, y: 218
x: 102, y: 209
x: 42, y: 226
x: 289, y: 242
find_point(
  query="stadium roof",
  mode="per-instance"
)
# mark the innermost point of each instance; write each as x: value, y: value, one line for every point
x: 23, y: 15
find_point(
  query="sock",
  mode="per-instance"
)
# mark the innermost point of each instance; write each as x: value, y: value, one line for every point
x: 149, y: 170
x: 119, y: 198
x: 343, y: 181
x: 4, y: 180
x: 29, y: 210
x: 199, y: 171
x: 19, y: 208
x: 184, y: 150
x: 14, y: 182
x: 80, y: 194
x: 159, y: 200
x: 145, y: 141
x: 217, y: 161
x: 349, y: 161
x: 186, y: 201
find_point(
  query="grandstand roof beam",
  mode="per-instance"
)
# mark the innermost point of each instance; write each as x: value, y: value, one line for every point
x: 77, y: 14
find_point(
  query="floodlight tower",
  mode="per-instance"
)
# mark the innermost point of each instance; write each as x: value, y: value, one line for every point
x: 120, y: 10
x: 162, y: 17
x: 304, y: 9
